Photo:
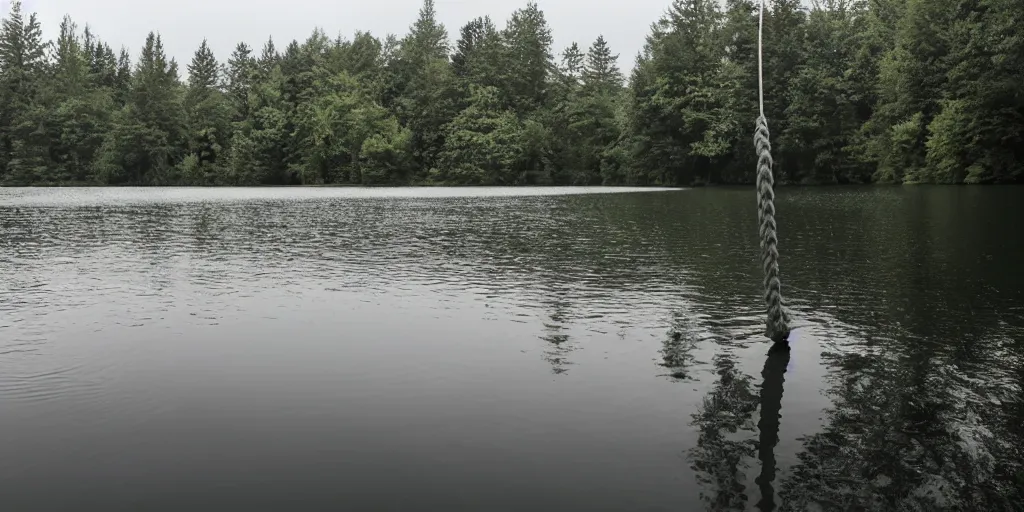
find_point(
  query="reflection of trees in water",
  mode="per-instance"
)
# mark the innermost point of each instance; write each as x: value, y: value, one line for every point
x: 926, y: 421
x: 934, y: 417
x: 556, y: 354
x: 678, y: 347
x: 905, y: 432
x: 926, y: 400
x: 912, y: 434
x: 725, y: 442
x: 559, y: 344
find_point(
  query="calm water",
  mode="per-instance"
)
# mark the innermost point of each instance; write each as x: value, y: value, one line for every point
x: 476, y: 349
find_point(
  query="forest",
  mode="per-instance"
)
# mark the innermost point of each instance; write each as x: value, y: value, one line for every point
x: 876, y: 91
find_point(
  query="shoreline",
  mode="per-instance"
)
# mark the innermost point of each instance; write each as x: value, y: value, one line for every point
x: 443, y: 185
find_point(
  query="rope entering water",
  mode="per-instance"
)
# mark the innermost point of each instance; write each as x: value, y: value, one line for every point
x: 777, y: 324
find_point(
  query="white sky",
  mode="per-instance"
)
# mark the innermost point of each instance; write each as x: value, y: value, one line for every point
x: 184, y: 23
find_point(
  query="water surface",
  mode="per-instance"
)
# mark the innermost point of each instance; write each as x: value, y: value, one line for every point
x: 508, y: 349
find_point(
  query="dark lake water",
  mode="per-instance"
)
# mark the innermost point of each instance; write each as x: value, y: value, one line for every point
x: 508, y: 350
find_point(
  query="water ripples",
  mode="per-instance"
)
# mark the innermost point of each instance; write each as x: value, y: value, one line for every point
x: 146, y: 303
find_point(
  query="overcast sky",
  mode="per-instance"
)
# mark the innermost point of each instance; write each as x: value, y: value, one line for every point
x: 184, y: 23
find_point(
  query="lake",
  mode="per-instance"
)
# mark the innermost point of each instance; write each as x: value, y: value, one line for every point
x: 509, y: 349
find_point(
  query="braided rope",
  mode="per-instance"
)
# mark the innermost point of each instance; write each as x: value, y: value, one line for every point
x: 777, y: 324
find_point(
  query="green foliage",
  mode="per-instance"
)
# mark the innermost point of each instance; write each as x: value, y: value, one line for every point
x: 676, y: 96
x: 385, y: 156
x: 482, y: 144
x: 478, y: 57
x: 148, y: 137
x: 528, y: 61
x: 22, y: 105
x: 918, y: 91
x: 823, y: 103
x: 208, y: 115
x: 600, y: 73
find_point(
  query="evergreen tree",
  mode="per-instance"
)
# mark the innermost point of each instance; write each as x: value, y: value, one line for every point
x: 601, y: 71
x: 269, y: 58
x: 203, y: 72
x: 784, y: 47
x: 911, y: 77
x: 529, y: 62
x: 585, y: 125
x: 573, y: 64
x: 123, y: 77
x: 363, y: 58
x: 427, y: 40
x: 259, y: 143
x: 470, y: 37
x: 145, y: 144
x: 478, y: 56
x: 23, y: 140
x: 855, y: 90
x: 103, y: 65
x: 676, y: 116
x: 426, y: 81
x: 72, y: 62
x: 80, y: 105
x: 241, y: 74
x: 737, y: 94
x: 208, y: 116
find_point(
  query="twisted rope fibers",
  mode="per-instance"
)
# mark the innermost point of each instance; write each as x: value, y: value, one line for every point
x: 777, y: 324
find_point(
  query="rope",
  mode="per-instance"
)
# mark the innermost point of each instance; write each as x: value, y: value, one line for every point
x: 777, y: 327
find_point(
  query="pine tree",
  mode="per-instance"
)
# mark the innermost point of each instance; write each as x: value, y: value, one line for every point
x: 426, y: 85
x: 146, y: 142
x: 72, y: 63
x: 573, y: 69
x: 565, y: 94
x: 260, y: 142
x: 123, y: 77
x: 584, y: 125
x: 203, y: 71
x: 469, y: 39
x: 269, y: 58
x: 911, y: 77
x: 735, y: 96
x: 79, y: 116
x: 23, y: 140
x: 427, y: 39
x: 208, y: 117
x: 478, y: 56
x: 529, y: 62
x: 88, y: 43
x: 241, y: 75
x: 363, y: 59
x: 675, y: 122
x: 601, y: 71
x: 363, y: 56
x: 104, y: 66
x: 856, y: 90
x: 783, y: 53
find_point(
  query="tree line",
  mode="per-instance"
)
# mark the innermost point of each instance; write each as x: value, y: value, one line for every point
x: 905, y: 91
